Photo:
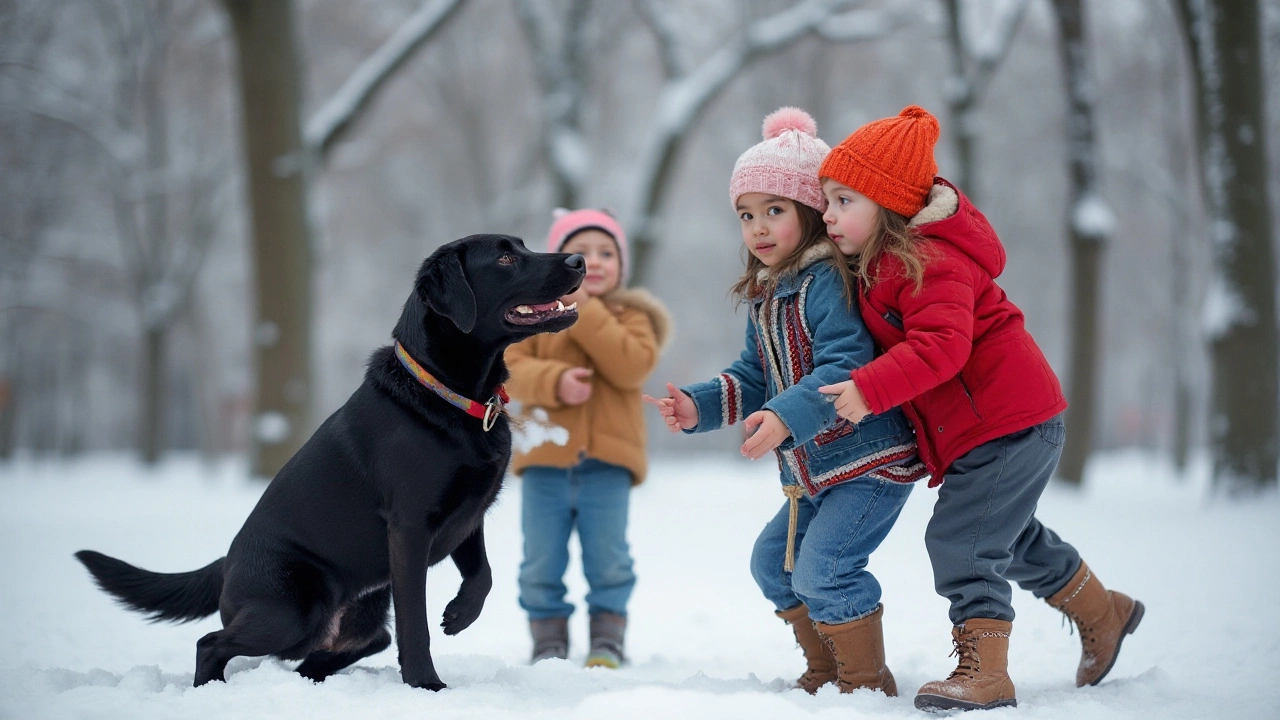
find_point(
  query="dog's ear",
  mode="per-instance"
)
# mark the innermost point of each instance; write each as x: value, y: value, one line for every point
x: 444, y: 288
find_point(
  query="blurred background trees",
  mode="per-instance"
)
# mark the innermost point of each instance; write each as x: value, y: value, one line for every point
x: 152, y: 296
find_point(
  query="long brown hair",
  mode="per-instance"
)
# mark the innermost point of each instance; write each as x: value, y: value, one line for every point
x: 813, y: 232
x: 892, y: 235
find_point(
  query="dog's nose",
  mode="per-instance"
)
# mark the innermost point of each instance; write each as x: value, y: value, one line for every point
x: 577, y: 262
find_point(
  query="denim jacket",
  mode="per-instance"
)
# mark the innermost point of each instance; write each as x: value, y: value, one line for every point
x: 803, y: 337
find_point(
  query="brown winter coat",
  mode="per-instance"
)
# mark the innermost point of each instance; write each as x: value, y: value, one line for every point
x: 619, y: 337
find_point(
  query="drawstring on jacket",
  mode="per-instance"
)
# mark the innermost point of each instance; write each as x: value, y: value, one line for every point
x: 793, y: 493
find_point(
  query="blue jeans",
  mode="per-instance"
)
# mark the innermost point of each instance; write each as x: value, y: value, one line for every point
x: 984, y: 530
x: 836, y: 532
x: 594, y: 496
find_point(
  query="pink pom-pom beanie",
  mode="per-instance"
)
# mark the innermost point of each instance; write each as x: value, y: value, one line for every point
x: 571, y: 222
x: 785, y: 163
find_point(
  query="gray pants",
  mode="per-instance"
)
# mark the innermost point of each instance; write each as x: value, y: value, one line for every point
x: 984, y: 532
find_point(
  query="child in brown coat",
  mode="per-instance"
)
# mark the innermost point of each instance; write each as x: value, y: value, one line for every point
x: 588, y: 379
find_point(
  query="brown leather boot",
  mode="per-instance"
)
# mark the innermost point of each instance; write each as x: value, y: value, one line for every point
x: 858, y: 647
x: 1103, y: 618
x: 821, y: 661
x: 981, y: 678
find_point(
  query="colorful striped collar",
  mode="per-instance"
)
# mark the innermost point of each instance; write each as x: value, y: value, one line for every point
x: 487, y: 412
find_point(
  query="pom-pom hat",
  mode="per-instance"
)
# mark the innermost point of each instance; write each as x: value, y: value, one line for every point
x: 889, y: 160
x: 568, y: 223
x: 785, y: 163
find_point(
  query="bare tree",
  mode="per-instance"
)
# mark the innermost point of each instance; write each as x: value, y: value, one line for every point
x: 974, y: 62
x: 1089, y: 227
x: 687, y: 89
x: 151, y: 195
x: 1226, y: 50
x: 278, y: 157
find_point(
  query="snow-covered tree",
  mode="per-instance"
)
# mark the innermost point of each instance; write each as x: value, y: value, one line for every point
x: 1090, y: 224
x: 279, y: 155
x: 1239, y: 318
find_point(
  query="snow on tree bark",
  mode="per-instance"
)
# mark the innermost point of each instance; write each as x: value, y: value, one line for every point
x: 1239, y: 318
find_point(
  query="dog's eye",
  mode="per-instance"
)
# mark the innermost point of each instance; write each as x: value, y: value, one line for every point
x: 506, y: 259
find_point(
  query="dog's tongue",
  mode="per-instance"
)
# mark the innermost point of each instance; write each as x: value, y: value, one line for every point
x: 545, y: 306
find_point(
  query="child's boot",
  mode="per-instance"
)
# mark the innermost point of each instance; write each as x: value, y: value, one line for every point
x: 981, y: 678
x: 1103, y: 617
x: 550, y: 638
x: 607, y: 631
x: 858, y: 648
x: 821, y: 661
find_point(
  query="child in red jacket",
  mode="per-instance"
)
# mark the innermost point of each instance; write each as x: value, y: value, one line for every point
x: 986, y: 405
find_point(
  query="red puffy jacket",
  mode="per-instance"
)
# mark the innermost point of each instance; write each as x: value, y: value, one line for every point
x: 957, y: 355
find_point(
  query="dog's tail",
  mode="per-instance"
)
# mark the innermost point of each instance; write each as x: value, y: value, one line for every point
x: 176, y: 597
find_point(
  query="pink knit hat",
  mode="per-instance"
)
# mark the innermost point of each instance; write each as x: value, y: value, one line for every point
x: 786, y: 163
x: 571, y: 222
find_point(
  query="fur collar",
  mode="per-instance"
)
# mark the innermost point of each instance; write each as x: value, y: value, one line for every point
x: 941, y: 204
x: 644, y: 301
x: 821, y: 251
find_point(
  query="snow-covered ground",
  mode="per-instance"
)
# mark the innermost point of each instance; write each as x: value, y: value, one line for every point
x: 703, y: 643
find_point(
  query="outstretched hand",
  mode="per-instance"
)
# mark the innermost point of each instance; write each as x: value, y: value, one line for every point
x: 850, y: 403
x: 765, y: 431
x: 678, y: 410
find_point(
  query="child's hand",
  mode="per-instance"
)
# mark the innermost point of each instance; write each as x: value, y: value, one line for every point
x: 574, y: 387
x: 850, y: 404
x: 769, y: 432
x: 678, y: 410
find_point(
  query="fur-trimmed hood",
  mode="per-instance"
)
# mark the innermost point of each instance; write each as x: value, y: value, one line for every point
x: 818, y: 252
x: 645, y: 301
x: 949, y: 217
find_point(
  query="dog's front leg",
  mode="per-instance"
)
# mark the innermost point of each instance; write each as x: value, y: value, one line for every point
x: 477, y: 579
x: 409, y: 545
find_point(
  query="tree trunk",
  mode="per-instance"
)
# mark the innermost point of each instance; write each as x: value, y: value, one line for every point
x: 8, y: 408
x: 1088, y: 228
x: 960, y: 103
x: 270, y: 95
x: 1226, y: 47
x: 153, y: 384
x: 153, y: 252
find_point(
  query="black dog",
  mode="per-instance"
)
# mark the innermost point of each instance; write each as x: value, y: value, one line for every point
x: 396, y: 480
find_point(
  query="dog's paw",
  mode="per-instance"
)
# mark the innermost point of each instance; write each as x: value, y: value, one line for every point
x: 459, y: 614
x: 432, y: 684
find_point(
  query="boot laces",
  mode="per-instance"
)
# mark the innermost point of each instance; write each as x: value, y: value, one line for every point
x: 966, y: 649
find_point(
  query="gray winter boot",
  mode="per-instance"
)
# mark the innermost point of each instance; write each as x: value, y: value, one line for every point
x: 550, y: 638
x: 607, y: 630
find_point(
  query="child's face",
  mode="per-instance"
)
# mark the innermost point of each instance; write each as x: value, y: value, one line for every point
x: 850, y: 217
x: 604, y: 266
x: 770, y: 226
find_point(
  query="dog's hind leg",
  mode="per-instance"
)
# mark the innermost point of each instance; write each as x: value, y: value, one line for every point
x: 258, y: 628
x: 362, y: 632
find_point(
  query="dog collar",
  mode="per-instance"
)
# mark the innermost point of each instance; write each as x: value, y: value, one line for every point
x: 487, y: 412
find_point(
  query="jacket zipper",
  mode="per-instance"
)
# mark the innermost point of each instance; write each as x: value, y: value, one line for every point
x: 969, y: 395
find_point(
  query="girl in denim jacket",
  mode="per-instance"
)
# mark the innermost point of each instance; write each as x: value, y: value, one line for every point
x: 845, y: 483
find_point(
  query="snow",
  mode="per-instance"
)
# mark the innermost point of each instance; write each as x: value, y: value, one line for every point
x: 703, y: 643
x: 271, y: 427
x: 1092, y: 217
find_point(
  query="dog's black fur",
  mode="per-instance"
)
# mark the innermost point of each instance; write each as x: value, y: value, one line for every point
x: 393, y: 482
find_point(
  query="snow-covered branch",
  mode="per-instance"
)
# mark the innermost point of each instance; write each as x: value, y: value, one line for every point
x: 682, y: 99
x: 859, y: 25
x: 340, y: 111
x: 665, y: 28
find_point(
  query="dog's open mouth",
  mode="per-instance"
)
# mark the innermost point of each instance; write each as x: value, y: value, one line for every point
x: 538, y: 314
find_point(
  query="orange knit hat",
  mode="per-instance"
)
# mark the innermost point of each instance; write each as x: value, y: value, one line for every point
x: 889, y: 160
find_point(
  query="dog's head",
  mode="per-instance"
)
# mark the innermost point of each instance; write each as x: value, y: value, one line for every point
x: 493, y: 289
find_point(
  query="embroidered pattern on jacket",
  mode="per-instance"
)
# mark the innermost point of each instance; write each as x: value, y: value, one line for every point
x: 730, y: 398
x: 785, y: 346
